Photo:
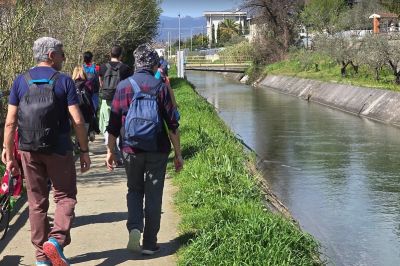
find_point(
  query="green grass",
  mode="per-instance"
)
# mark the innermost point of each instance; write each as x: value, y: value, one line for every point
x: 224, y: 221
x: 303, y: 66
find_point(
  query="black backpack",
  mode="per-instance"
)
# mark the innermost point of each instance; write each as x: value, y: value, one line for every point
x: 85, y: 100
x: 110, y: 81
x: 38, y: 116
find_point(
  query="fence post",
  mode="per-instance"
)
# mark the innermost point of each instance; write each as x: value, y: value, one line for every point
x: 181, y: 64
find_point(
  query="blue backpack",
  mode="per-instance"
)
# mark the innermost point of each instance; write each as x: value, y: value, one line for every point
x: 143, y: 122
x: 92, y: 76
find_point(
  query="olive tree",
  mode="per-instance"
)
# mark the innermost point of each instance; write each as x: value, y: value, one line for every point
x: 374, y: 53
x: 344, y: 50
x: 394, y: 58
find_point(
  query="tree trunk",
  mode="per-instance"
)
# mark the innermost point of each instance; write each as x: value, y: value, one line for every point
x: 377, y: 73
x: 343, y: 69
x: 355, y: 67
x: 397, y: 80
x: 396, y: 71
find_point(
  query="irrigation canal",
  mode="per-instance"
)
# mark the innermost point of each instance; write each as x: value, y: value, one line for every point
x: 337, y: 173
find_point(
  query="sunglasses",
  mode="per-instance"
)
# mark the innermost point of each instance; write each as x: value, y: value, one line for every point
x: 61, y: 53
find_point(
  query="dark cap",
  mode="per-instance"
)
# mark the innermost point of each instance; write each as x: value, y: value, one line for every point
x: 145, y: 56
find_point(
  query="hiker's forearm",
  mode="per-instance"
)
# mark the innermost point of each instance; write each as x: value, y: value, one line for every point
x: 111, y: 143
x: 9, y: 131
x: 79, y: 126
x: 175, y: 139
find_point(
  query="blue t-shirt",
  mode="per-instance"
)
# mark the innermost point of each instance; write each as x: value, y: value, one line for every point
x: 65, y: 93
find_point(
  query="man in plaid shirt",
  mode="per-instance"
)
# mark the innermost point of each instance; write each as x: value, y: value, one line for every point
x: 145, y: 170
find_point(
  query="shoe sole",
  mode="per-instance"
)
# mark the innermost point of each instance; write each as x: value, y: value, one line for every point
x: 150, y: 252
x: 134, y: 241
x: 52, y: 253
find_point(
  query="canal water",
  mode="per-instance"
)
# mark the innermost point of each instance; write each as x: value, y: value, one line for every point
x: 337, y: 173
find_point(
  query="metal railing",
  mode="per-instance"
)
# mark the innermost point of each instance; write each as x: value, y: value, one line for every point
x: 218, y: 60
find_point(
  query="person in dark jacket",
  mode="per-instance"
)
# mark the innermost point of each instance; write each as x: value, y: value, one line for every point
x: 145, y: 170
x: 85, y: 91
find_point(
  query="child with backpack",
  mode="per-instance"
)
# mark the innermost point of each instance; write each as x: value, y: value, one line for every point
x: 84, y: 89
x: 92, y: 73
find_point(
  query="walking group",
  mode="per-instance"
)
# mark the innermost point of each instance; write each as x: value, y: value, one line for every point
x: 139, y: 119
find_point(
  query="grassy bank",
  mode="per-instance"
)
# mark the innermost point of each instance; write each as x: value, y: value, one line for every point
x: 303, y: 65
x: 224, y: 221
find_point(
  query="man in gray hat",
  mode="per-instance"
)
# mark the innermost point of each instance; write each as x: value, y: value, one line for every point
x: 141, y: 106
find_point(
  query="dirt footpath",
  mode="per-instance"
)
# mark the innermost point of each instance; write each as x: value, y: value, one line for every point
x: 99, y: 235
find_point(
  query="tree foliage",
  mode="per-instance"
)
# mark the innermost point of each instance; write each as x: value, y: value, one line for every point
x: 357, y: 17
x: 278, y: 23
x: 393, y: 55
x: 392, y: 5
x: 240, y: 51
x: 227, y: 29
x: 80, y: 24
x: 320, y: 15
x: 374, y: 53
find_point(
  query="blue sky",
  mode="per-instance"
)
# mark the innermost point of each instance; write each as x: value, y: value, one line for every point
x: 195, y: 8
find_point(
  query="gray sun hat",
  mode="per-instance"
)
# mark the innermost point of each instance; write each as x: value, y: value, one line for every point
x: 145, y: 56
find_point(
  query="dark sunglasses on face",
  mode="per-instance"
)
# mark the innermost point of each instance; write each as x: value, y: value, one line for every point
x: 60, y: 53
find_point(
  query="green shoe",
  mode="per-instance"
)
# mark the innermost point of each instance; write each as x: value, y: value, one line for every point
x: 134, y: 240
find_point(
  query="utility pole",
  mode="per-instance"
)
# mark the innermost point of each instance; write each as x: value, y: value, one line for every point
x: 179, y: 32
x: 202, y: 38
x: 169, y: 43
x: 191, y: 39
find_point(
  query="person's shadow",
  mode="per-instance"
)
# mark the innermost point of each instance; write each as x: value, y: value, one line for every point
x: 11, y: 260
x: 109, y: 217
x: 117, y: 256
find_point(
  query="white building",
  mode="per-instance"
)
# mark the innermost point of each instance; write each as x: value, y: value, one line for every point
x: 216, y: 17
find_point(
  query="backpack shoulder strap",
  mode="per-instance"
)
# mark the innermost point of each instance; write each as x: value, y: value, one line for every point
x: 89, y: 69
x: 28, y: 79
x: 33, y: 82
x: 135, y: 86
x: 54, y: 78
x: 118, y: 66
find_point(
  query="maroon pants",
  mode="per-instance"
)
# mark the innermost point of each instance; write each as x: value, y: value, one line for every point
x: 38, y: 169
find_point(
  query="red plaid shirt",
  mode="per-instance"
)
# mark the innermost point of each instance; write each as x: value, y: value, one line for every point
x: 122, y: 100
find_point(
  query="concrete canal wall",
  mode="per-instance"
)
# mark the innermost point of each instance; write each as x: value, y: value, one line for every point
x: 381, y: 105
x: 241, y: 77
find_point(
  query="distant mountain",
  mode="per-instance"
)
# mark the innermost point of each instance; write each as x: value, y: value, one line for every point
x: 170, y: 24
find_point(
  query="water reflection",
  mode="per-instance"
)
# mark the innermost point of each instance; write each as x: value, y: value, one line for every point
x: 337, y: 173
